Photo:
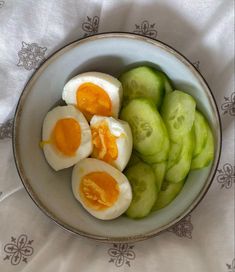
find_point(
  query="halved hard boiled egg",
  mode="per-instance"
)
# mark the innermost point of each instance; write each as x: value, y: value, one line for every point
x: 94, y: 93
x: 112, y: 141
x: 103, y: 191
x: 66, y: 137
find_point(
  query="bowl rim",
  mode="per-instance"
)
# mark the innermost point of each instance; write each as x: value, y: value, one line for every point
x: 15, y: 144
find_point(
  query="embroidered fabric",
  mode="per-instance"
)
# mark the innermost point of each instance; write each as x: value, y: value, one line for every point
x: 201, y: 30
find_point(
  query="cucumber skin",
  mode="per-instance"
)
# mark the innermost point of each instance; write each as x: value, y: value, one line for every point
x: 159, y: 171
x: 201, y: 133
x: 207, y: 154
x: 166, y: 196
x: 174, y: 153
x: 182, y: 167
x: 142, y: 206
x: 168, y: 86
x: 132, y: 74
x: 148, y: 146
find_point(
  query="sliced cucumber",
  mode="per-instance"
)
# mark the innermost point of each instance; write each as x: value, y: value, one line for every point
x: 181, y: 169
x: 159, y: 156
x: 200, y: 131
x: 134, y: 159
x: 146, y: 124
x: 151, y: 158
x: 143, y: 81
x: 174, y: 153
x: 159, y: 171
x: 167, y: 194
x: 178, y: 112
x: 142, y: 180
x: 168, y: 86
x: 207, y: 154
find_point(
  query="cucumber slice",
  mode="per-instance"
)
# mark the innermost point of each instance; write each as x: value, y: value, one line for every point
x: 178, y: 112
x: 159, y: 171
x: 206, y: 156
x: 168, y: 86
x: 143, y: 81
x: 200, y: 131
x: 167, y: 194
x: 142, y: 180
x: 134, y: 159
x: 174, y: 153
x: 148, y: 129
x: 181, y: 169
x: 159, y: 156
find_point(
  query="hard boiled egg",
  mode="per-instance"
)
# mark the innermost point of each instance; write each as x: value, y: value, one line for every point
x: 101, y: 189
x: 112, y: 140
x: 66, y: 137
x: 94, y: 93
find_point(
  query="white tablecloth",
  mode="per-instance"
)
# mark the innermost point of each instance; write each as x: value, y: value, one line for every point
x: 203, y: 31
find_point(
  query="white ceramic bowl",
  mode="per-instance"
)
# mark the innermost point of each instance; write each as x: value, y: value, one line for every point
x: 51, y: 191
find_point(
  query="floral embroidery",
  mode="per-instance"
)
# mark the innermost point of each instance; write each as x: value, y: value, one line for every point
x: 183, y: 228
x: 231, y: 267
x: 2, y: 3
x: 31, y: 55
x: 229, y: 105
x: 121, y: 254
x: 91, y: 26
x: 226, y: 176
x: 18, y: 249
x: 197, y: 65
x: 146, y: 29
x: 6, y: 129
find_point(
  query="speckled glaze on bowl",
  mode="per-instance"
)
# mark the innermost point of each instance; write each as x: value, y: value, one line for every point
x: 50, y: 190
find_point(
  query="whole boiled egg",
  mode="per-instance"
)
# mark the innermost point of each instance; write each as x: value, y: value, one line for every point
x: 66, y: 137
x: 103, y: 191
x: 94, y: 93
x: 112, y: 140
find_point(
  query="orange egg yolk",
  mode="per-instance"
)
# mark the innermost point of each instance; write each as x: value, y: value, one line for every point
x: 104, y: 143
x: 66, y: 136
x: 93, y: 100
x: 99, y: 190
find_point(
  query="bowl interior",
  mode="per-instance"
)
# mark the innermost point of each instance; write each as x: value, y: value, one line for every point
x: 110, y: 53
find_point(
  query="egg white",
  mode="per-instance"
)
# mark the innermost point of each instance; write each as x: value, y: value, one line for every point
x: 122, y: 131
x: 108, y: 83
x: 54, y: 157
x: 89, y: 165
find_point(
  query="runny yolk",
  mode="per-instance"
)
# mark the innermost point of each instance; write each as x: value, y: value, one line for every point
x: 66, y: 136
x: 99, y: 190
x: 93, y: 100
x: 105, y: 146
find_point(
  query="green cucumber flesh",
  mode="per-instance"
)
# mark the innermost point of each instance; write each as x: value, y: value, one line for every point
x: 207, y: 154
x: 147, y: 126
x: 159, y: 171
x: 168, y: 86
x: 174, y: 153
x: 142, y: 179
x: 159, y: 156
x: 180, y: 170
x: 134, y: 159
x: 178, y: 113
x: 143, y: 81
x: 200, y: 131
x: 167, y: 194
